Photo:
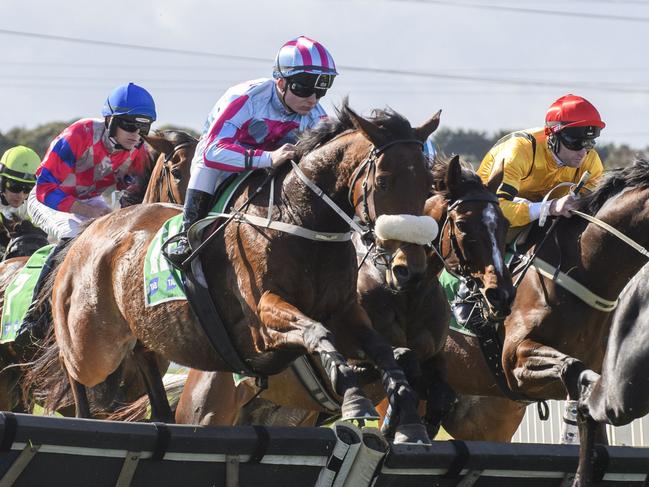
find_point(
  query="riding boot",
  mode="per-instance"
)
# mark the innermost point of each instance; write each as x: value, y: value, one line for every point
x: 197, y: 205
x: 34, y: 325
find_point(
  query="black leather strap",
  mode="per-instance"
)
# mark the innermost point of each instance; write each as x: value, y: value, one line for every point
x: 201, y: 302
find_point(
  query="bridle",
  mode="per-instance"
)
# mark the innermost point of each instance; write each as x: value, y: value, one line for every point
x: 381, y: 258
x: 168, y: 173
x: 463, y: 266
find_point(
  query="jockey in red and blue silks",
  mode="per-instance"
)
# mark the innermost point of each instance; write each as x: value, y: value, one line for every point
x: 85, y: 159
x: 255, y: 124
x: 88, y: 157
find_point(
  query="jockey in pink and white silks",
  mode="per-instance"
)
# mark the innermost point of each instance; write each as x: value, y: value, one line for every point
x: 255, y: 124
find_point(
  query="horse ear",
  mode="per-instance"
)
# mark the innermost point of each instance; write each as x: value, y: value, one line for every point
x: 422, y: 132
x: 159, y: 143
x: 453, y: 174
x: 371, y: 132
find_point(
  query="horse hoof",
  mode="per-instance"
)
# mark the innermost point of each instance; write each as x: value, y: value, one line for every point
x: 358, y: 408
x: 411, y: 434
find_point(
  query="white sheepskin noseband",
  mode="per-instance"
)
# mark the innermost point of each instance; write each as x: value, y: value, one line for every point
x: 419, y: 230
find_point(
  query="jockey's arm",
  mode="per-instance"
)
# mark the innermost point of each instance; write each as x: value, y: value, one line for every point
x: 518, y: 211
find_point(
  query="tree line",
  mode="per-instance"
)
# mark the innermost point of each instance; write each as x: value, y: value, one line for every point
x: 472, y: 145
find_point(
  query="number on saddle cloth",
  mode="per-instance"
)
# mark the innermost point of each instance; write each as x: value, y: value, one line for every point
x: 163, y: 281
x: 19, y: 294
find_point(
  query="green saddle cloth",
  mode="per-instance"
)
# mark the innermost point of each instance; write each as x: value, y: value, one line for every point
x: 19, y: 293
x: 162, y: 281
x: 451, y: 284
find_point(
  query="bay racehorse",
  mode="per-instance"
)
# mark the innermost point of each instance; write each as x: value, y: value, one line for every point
x: 280, y: 296
x: 552, y: 334
x: 410, y: 311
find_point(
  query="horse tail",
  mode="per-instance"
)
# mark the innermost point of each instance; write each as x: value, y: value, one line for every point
x: 45, y: 382
x: 140, y: 409
x: 102, y: 396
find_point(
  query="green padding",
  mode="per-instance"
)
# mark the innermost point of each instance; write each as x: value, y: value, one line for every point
x: 451, y: 284
x: 162, y: 281
x: 19, y: 293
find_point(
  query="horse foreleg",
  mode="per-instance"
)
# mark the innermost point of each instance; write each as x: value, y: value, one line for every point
x: 587, y: 428
x: 288, y: 327
x: 439, y: 395
x: 403, y: 400
x: 535, y: 367
x: 81, y: 403
x: 148, y: 367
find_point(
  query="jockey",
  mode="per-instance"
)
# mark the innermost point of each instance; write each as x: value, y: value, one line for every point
x: 523, y: 166
x: 88, y: 157
x: 255, y: 125
x: 17, y: 168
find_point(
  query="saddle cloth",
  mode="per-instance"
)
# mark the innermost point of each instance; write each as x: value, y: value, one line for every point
x: 20, y: 292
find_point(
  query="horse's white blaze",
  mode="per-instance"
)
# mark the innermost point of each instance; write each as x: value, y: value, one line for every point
x: 490, y: 220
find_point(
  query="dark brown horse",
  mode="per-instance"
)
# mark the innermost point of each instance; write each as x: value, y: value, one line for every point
x: 621, y: 393
x: 549, y: 327
x: 280, y: 296
x: 412, y: 316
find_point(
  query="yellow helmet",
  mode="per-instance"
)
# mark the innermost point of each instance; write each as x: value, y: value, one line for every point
x: 20, y: 164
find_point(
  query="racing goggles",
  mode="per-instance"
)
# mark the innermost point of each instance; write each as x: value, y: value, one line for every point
x: 141, y: 125
x: 18, y: 187
x: 576, y: 143
x: 304, y: 85
x: 304, y: 91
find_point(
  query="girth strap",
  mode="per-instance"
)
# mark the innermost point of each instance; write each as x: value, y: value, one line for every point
x: 570, y: 284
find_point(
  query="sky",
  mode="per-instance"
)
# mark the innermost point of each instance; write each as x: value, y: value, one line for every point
x: 488, y: 64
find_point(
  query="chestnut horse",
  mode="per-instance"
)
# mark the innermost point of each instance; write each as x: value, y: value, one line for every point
x: 621, y: 393
x: 172, y: 154
x: 412, y: 316
x: 280, y: 296
x: 551, y: 334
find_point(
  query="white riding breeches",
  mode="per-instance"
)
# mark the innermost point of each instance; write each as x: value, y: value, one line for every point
x: 59, y: 224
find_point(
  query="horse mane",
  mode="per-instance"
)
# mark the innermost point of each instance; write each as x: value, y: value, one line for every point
x: 470, y: 181
x: 389, y: 120
x: 635, y: 175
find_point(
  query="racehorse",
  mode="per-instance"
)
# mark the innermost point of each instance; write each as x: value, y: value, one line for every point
x: 412, y: 317
x: 172, y: 155
x: 550, y: 327
x: 279, y: 295
x: 621, y: 393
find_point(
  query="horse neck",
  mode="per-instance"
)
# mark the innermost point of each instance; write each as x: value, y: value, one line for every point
x: 609, y: 263
x: 332, y: 173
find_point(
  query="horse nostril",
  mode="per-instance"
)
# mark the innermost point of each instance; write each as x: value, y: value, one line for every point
x: 401, y: 272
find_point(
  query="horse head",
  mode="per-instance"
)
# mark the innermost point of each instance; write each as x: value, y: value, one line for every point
x: 472, y: 239
x: 172, y: 153
x: 388, y: 191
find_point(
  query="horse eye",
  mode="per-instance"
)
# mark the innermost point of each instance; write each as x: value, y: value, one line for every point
x: 461, y: 226
x: 177, y: 174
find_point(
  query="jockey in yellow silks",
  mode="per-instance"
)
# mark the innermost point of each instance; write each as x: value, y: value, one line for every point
x: 523, y: 166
